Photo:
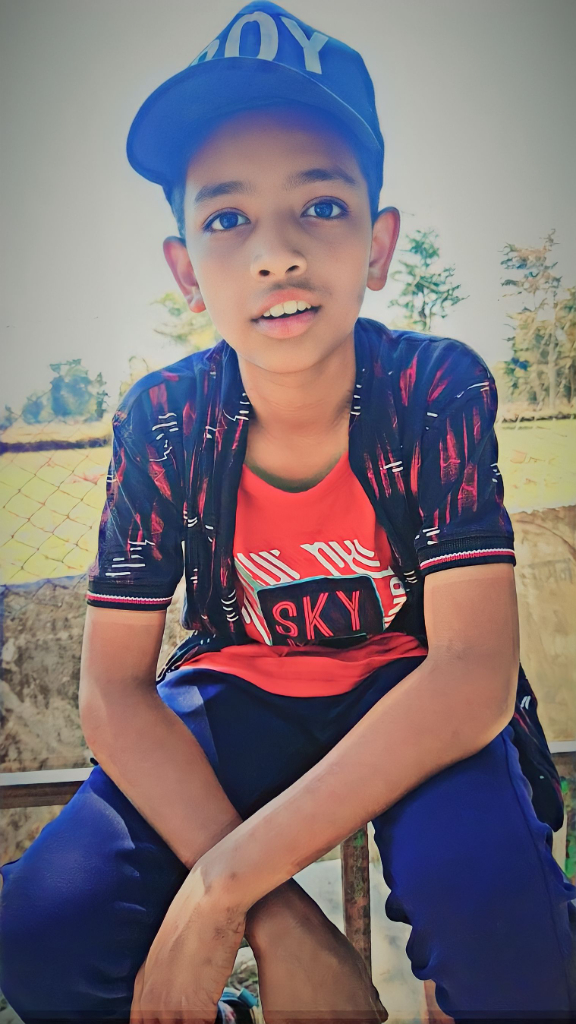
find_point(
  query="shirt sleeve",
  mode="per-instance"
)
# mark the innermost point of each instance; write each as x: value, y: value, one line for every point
x: 458, y: 485
x: 140, y: 557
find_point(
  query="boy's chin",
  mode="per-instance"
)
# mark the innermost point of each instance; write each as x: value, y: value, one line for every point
x: 287, y: 355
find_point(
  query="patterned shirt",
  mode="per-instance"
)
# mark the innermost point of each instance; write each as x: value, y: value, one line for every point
x: 421, y: 443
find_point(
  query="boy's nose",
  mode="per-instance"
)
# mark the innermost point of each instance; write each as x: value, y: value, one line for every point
x: 278, y: 261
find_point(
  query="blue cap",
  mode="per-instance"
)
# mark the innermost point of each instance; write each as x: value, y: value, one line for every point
x: 264, y: 56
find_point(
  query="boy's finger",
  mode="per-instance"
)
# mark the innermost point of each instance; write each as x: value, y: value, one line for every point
x: 135, y: 1012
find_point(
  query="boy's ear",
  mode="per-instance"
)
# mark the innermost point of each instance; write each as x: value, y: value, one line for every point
x: 178, y: 260
x: 384, y: 237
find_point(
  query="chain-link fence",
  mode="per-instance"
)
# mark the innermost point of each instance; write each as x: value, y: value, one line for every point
x: 50, y: 506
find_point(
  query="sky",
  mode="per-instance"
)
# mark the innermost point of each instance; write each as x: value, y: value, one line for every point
x: 475, y: 98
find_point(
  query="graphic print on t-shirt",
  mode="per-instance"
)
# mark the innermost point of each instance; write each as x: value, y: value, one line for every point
x: 313, y: 567
x: 338, y: 604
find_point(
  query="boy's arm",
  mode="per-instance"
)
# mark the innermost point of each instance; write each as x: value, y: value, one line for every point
x: 141, y: 743
x: 154, y: 759
x: 449, y: 708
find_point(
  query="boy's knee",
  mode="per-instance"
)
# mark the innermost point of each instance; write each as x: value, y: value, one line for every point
x: 34, y: 937
x: 50, y: 921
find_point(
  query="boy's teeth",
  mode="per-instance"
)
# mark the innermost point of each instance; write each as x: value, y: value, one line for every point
x: 288, y: 307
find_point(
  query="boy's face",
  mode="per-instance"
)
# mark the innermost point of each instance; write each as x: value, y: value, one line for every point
x: 292, y: 223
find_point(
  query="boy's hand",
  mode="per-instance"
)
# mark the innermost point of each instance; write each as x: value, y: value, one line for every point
x: 309, y: 971
x: 306, y: 967
x: 190, y: 960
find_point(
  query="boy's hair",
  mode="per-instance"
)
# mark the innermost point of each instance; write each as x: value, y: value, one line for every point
x: 175, y: 193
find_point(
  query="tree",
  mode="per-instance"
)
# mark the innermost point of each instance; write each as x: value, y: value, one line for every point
x: 7, y: 418
x: 72, y: 392
x: 137, y: 368
x: 542, y: 368
x: 191, y: 331
x: 194, y: 331
x: 427, y: 291
x: 565, y: 315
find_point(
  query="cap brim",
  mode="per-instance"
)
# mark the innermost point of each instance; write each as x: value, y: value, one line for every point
x: 162, y: 132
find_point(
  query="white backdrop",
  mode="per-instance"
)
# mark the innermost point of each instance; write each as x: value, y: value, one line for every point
x: 476, y: 101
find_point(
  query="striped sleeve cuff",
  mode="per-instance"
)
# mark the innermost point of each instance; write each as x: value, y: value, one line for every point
x: 465, y: 551
x: 100, y: 600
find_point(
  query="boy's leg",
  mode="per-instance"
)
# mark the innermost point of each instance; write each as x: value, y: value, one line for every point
x: 81, y: 907
x: 470, y: 867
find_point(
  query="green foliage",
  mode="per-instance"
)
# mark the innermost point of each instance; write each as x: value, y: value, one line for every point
x: 565, y: 317
x: 570, y: 865
x: 72, y: 393
x: 7, y: 417
x: 542, y: 368
x: 137, y: 368
x: 427, y: 291
x: 194, y: 331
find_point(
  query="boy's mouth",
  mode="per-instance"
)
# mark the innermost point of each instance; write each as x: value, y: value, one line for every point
x: 286, y: 325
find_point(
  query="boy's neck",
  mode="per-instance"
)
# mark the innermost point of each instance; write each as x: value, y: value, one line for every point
x: 306, y: 405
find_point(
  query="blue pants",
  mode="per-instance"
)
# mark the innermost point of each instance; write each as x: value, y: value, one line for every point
x: 468, y: 863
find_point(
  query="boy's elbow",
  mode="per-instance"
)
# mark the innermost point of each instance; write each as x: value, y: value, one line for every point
x: 102, y: 708
x: 92, y: 712
x: 507, y: 681
x: 496, y: 685
x: 479, y: 694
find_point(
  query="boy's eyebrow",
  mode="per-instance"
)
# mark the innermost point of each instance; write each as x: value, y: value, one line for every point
x: 225, y: 188
x: 320, y: 174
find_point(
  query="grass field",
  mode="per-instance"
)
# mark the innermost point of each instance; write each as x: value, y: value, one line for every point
x: 50, y: 507
x: 50, y: 501
x: 538, y: 464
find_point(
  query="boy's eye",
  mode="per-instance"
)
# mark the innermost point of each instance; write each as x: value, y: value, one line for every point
x: 228, y: 219
x: 324, y: 209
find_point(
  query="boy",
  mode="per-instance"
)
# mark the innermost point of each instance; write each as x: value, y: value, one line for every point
x: 329, y: 490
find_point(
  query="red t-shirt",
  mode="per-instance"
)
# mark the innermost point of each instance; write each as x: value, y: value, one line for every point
x: 316, y: 588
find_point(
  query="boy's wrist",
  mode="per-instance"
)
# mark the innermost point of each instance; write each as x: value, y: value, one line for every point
x: 272, y: 917
x: 219, y: 880
x: 265, y: 917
